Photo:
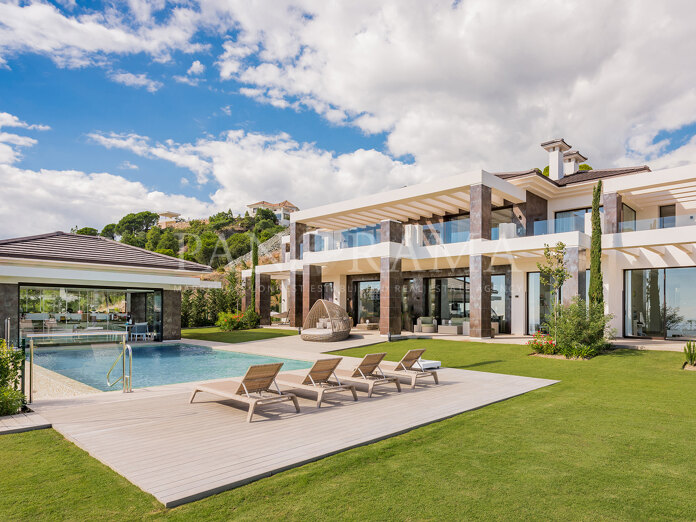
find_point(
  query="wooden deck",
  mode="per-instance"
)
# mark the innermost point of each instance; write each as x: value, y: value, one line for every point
x: 22, y: 422
x: 181, y: 452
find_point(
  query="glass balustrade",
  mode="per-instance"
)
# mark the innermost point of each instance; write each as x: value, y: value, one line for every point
x: 638, y: 225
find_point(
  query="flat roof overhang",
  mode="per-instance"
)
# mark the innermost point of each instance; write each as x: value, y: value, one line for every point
x: 660, y: 187
x: 440, y: 197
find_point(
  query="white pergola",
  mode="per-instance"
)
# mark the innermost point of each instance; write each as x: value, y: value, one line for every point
x: 449, y: 195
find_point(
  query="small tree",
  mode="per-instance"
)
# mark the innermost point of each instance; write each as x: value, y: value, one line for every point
x: 596, y: 290
x: 553, y: 272
x: 254, y: 262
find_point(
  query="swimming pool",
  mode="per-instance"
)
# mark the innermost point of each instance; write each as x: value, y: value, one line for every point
x: 168, y: 363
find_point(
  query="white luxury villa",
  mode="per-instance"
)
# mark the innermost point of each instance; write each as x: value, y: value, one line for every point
x: 459, y: 255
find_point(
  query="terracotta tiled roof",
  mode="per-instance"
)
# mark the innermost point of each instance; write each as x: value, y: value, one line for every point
x: 75, y: 248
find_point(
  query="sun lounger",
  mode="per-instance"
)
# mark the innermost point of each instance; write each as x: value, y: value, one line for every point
x: 253, y: 389
x: 317, y: 380
x: 405, y: 367
x: 368, y: 372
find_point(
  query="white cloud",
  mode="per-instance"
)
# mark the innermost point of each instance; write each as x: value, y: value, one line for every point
x: 52, y: 200
x: 196, y: 68
x: 9, y: 142
x: 478, y: 82
x: 135, y: 80
x: 59, y: 199
x: 127, y: 165
x: 249, y: 166
x: 86, y: 39
x: 187, y: 80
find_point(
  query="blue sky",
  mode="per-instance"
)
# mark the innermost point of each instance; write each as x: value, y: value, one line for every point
x: 198, y: 106
x: 75, y: 102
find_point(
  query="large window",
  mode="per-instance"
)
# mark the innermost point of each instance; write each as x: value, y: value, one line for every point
x: 327, y: 291
x: 366, y: 301
x: 447, y: 298
x: 571, y: 220
x: 361, y: 236
x: 628, y: 223
x: 503, y: 216
x: 539, y: 301
x: 660, y: 303
x: 452, y: 229
x: 668, y: 216
x: 44, y: 309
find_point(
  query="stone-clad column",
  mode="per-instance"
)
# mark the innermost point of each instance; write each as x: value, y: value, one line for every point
x: 9, y: 307
x: 246, y: 298
x: 311, y: 287
x: 171, y: 315
x: 480, y: 296
x: 309, y: 242
x: 576, y: 264
x: 391, y: 231
x: 262, y: 298
x: 613, y: 213
x: 480, y: 217
x: 390, y: 281
x: 533, y: 210
x: 297, y: 230
x: 295, y: 299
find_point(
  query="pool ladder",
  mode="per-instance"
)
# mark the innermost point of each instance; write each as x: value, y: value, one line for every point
x: 125, y: 378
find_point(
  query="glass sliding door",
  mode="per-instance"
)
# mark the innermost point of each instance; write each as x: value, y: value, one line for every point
x: 644, y: 292
x: 498, y: 303
x: 366, y: 302
x: 628, y: 223
x: 539, y: 301
x: 680, y: 303
x: 46, y: 309
x: 447, y: 298
x: 407, y: 309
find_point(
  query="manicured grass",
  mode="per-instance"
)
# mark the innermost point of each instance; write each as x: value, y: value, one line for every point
x: 235, y: 336
x: 613, y: 440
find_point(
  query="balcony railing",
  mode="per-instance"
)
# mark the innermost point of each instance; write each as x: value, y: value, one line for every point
x: 658, y: 223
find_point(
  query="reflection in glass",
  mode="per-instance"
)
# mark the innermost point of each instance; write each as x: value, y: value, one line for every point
x: 67, y: 309
x: 539, y: 301
x: 645, y: 302
x: 447, y: 298
x: 367, y: 301
x: 628, y: 223
x: 498, y: 303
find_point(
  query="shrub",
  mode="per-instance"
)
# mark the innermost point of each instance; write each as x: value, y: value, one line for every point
x: 581, y: 330
x: 251, y: 318
x: 10, y: 366
x: 690, y: 353
x: 238, y: 321
x: 542, y: 343
x: 228, y: 321
x: 11, y: 401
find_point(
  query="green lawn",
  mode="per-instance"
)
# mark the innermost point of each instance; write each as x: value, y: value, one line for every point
x: 235, y: 336
x: 613, y: 440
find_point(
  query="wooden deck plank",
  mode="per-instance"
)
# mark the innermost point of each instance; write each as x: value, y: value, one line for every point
x: 180, y: 452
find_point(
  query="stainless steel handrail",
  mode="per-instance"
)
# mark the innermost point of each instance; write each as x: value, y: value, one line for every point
x: 126, y: 379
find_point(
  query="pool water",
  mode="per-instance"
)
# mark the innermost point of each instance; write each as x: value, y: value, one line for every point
x: 168, y: 363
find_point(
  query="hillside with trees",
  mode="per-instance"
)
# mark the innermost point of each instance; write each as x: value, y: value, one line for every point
x: 214, y: 241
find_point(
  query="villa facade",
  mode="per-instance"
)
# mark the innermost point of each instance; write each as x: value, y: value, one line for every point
x: 282, y: 210
x: 462, y: 251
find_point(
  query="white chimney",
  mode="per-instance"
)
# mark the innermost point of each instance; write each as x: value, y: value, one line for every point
x: 571, y: 161
x: 555, y: 148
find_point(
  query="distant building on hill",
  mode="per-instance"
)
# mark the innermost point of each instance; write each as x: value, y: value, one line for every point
x: 167, y: 219
x: 281, y: 210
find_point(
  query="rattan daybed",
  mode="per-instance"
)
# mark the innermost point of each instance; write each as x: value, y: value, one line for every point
x: 326, y: 322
